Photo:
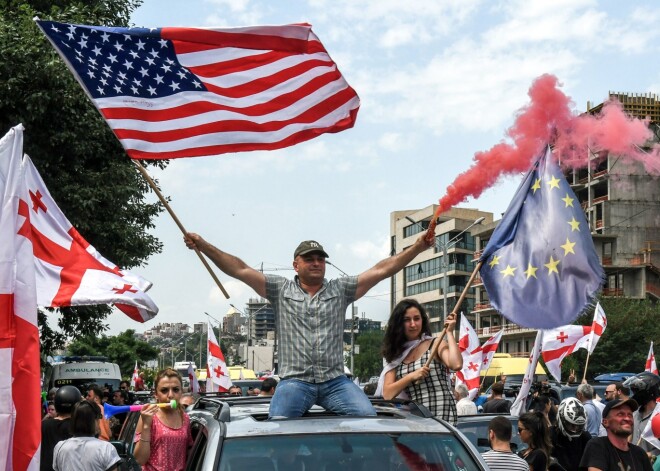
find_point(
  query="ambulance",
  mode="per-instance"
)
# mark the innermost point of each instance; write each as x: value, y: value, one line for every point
x: 81, y: 371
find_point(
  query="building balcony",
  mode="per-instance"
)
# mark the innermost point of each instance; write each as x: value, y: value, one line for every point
x: 509, y: 329
x: 613, y: 292
x: 482, y: 307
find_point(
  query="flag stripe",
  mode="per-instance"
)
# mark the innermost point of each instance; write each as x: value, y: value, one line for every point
x: 185, y: 92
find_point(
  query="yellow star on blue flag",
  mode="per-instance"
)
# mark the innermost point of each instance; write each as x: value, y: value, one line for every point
x: 533, y: 233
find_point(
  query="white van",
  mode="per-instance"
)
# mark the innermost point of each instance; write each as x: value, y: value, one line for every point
x: 81, y: 372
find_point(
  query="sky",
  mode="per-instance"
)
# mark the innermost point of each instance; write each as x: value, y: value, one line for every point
x: 438, y: 82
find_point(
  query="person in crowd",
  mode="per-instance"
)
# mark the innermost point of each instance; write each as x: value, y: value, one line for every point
x: 610, y: 392
x: 500, y: 457
x: 585, y: 393
x: 622, y: 391
x: 51, y: 414
x: 268, y: 386
x: 119, y: 398
x: 645, y: 389
x: 370, y: 389
x: 235, y: 391
x: 95, y: 393
x: 163, y: 436
x: 126, y: 386
x: 312, y: 372
x: 407, y: 346
x: 139, y: 382
x: 568, y: 436
x: 56, y: 430
x: 497, y: 404
x: 534, y: 433
x: 187, y: 400
x: 464, y: 405
x: 614, y: 452
x: 543, y: 404
x: 83, y: 451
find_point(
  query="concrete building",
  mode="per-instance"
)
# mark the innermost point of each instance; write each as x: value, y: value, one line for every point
x: 427, y: 275
x: 261, y: 318
x: 233, y: 322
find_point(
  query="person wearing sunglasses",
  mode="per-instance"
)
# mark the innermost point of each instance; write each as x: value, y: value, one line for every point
x: 163, y: 437
x: 534, y: 433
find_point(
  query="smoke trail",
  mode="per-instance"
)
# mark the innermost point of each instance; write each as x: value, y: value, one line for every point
x: 548, y: 119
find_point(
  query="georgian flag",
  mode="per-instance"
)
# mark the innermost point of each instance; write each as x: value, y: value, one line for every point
x: 520, y: 403
x: 489, y: 348
x: 194, y: 384
x: 69, y: 271
x: 468, y: 344
x: 135, y: 376
x: 20, y: 418
x: 597, y: 328
x: 217, y: 371
x: 650, y: 362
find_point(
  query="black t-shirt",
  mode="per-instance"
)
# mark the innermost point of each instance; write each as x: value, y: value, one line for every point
x: 568, y: 452
x: 536, y: 459
x: 601, y: 454
x: 52, y: 432
x: 501, y: 406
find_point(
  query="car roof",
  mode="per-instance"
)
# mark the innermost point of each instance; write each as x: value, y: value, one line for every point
x: 247, y: 416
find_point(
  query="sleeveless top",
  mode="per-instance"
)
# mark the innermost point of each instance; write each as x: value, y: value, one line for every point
x: 433, y: 392
x: 169, y: 446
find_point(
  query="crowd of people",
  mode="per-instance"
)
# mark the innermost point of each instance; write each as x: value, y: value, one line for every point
x: 579, y: 433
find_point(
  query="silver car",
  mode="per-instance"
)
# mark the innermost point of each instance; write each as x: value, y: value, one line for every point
x: 235, y: 434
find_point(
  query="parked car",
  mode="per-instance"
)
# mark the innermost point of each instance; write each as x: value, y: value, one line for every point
x: 246, y: 384
x: 613, y: 377
x: 475, y: 428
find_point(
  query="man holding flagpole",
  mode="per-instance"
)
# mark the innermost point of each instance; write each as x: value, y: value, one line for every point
x: 310, y: 313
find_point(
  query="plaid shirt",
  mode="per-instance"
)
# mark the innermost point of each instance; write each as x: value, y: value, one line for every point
x: 310, y: 330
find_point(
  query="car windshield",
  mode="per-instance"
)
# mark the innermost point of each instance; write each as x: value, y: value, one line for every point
x: 477, y: 433
x: 380, y: 451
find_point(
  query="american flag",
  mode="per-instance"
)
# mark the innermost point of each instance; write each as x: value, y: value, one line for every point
x: 186, y: 92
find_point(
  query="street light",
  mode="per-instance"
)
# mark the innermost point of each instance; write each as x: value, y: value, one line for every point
x: 352, y: 318
x: 446, y: 246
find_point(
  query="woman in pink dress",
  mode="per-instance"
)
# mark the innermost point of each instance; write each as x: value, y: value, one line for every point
x: 163, y: 435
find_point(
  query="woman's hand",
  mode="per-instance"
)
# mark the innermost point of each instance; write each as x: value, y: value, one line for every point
x: 450, y: 322
x: 421, y: 373
x: 147, y: 414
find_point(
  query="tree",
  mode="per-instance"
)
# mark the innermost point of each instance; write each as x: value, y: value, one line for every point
x: 631, y: 326
x: 369, y: 362
x: 80, y: 160
x: 123, y: 349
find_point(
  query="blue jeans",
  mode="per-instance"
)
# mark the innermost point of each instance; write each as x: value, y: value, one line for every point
x: 340, y: 395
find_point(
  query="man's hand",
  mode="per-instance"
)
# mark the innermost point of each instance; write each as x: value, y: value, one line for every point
x: 193, y: 241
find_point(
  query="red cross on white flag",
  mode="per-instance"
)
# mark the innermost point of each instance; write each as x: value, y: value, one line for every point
x: 217, y: 370
x: 650, y: 362
x: 70, y: 272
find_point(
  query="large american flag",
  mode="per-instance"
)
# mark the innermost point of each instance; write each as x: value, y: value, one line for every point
x: 187, y: 92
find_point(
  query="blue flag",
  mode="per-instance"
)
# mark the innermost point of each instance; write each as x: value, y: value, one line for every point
x: 540, y: 267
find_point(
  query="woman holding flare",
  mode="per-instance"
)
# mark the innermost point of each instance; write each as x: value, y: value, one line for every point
x: 407, y: 347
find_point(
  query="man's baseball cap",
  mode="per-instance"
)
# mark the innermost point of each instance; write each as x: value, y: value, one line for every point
x: 616, y: 403
x: 309, y: 246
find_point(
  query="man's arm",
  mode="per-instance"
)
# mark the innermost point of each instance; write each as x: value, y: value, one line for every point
x: 389, y: 266
x: 229, y: 264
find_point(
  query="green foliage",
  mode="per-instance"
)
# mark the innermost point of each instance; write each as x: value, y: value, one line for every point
x: 123, y: 349
x: 631, y: 326
x: 82, y: 163
x: 369, y: 362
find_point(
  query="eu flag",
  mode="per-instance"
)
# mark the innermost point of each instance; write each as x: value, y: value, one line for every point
x: 540, y: 267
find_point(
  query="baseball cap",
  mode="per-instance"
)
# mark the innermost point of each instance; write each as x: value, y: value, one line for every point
x: 616, y: 403
x: 309, y: 246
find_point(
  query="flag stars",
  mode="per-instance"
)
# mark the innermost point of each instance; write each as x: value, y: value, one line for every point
x: 158, y: 79
x: 568, y: 200
x: 134, y: 54
x: 163, y: 43
x: 174, y: 86
x: 105, y: 37
x: 553, y: 182
x: 508, y: 271
x: 494, y: 261
x: 153, y: 53
x: 144, y: 72
x: 151, y: 90
x: 531, y: 271
x: 112, y: 58
x: 118, y: 46
x: 140, y: 45
x: 552, y: 265
x: 128, y: 64
x: 82, y: 43
x: 536, y: 185
x: 165, y: 67
x: 575, y: 225
x: 97, y: 50
x: 181, y: 74
x: 568, y: 247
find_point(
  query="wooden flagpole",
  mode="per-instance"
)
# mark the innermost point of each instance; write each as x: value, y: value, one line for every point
x: 586, y: 365
x: 434, y: 350
x: 162, y: 199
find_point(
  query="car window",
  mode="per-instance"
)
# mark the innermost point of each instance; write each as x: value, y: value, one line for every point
x: 198, y: 450
x: 377, y: 451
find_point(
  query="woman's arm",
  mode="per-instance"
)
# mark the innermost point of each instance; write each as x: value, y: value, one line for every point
x: 448, y: 352
x: 392, y: 388
x: 142, y: 449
